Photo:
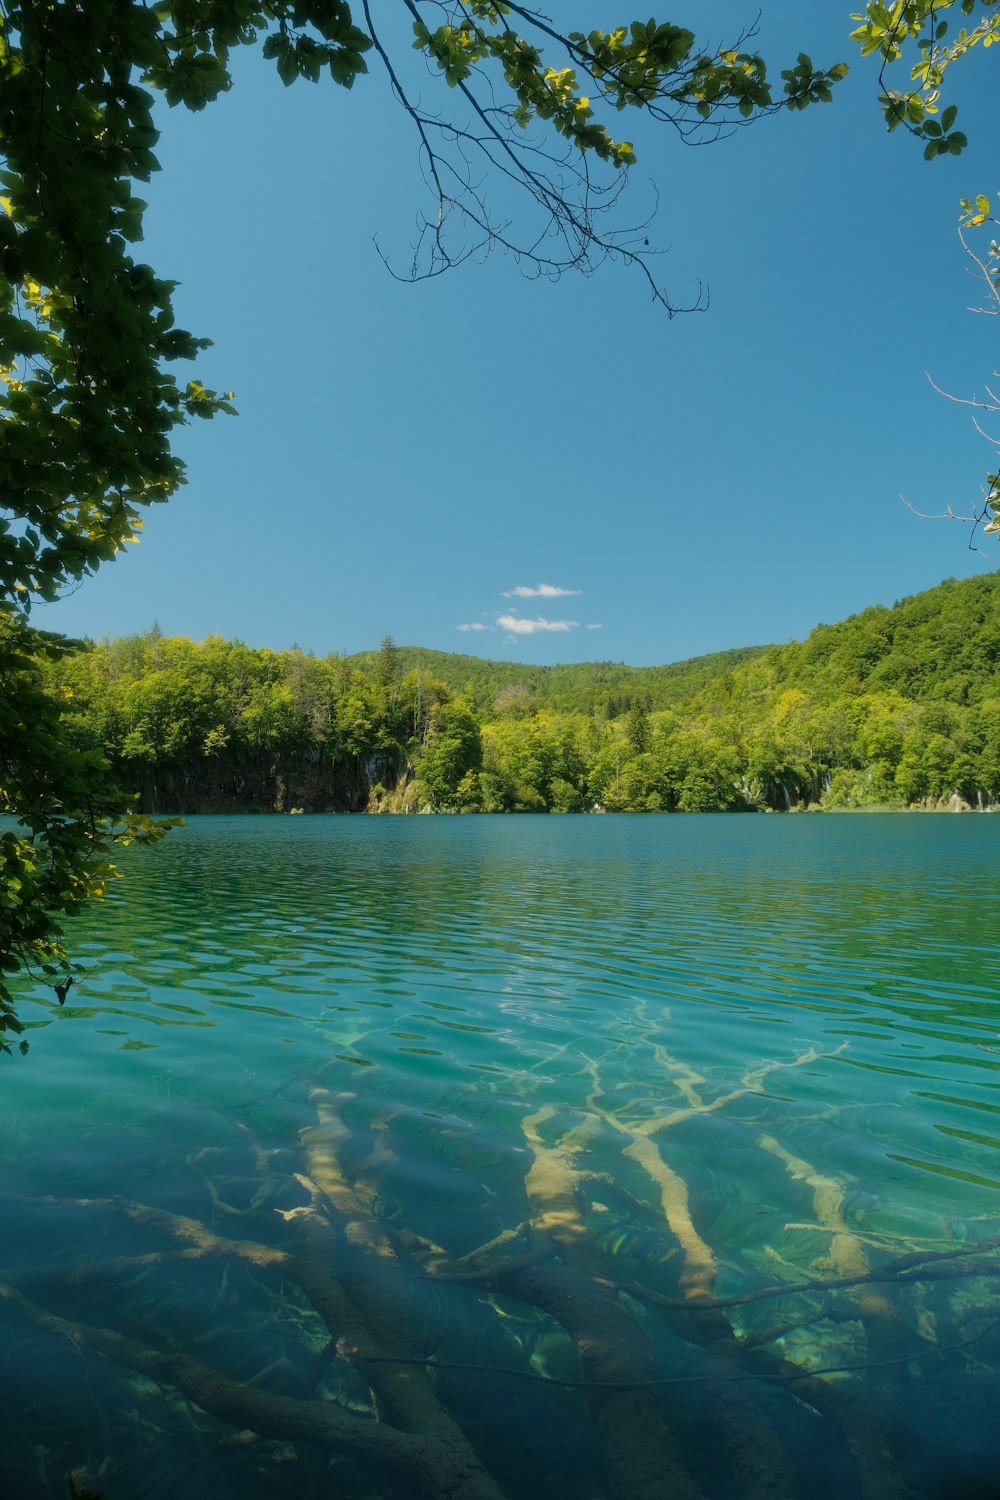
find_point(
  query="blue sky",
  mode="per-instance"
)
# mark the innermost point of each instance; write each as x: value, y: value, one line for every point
x: 412, y: 459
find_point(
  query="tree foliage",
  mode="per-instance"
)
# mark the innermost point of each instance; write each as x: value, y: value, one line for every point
x: 510, y: 69
x: 891, y: 708
x: 920, y: 33
x: 69, y: 808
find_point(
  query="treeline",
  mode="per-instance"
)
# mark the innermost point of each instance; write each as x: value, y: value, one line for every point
x: 605, y: 687
x: 891, y: 708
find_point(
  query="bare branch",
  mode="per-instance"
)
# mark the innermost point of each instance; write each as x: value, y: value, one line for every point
x: 945, y: 515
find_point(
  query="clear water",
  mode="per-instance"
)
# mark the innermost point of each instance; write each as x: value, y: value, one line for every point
x: 602, y: 1157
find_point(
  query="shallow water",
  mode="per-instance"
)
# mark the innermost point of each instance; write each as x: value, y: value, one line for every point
x: 616, y: 1157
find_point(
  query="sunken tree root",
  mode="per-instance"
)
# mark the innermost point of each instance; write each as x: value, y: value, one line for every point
x: 683, y: 1392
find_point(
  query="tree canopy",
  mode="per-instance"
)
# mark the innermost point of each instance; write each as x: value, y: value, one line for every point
x: 891, y: 708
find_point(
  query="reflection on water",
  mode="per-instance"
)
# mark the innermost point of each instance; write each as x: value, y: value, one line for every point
x: 476, y: 1158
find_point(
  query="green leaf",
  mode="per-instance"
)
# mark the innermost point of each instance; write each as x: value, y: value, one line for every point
x: 288, y: 68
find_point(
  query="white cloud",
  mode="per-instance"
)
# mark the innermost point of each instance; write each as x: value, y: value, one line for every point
x: 517, y: 626
x: 474, y: 626
x: 543, y: 591
x: 593, y: 627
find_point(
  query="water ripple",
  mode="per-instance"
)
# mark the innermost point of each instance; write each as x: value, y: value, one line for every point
x: 796, y: 1019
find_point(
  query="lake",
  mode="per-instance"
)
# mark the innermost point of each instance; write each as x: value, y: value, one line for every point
x: 608, y: 1158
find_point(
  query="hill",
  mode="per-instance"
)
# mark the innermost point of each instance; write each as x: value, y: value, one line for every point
x: 890, y: 708
x: 941, y: 644
x: 579, y: 687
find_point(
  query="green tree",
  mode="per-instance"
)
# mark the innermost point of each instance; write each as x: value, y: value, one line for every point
x: 637, y: 731
x: 985, y: 727
x: 51, y: 859
x: 454, y: 749
x: 387, y: 668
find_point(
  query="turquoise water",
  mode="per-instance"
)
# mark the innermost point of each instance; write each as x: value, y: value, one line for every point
x: 607, y: 1158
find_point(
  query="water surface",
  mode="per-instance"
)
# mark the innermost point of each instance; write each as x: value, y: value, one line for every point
x: 599, y: 1157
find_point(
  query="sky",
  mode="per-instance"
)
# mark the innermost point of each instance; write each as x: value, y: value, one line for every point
x: 549, y: 472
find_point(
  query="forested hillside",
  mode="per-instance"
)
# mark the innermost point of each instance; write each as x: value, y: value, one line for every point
x: 578, y: 687
x: 890, y: 708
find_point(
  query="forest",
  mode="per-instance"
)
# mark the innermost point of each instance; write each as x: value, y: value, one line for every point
x: 892, y: 708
